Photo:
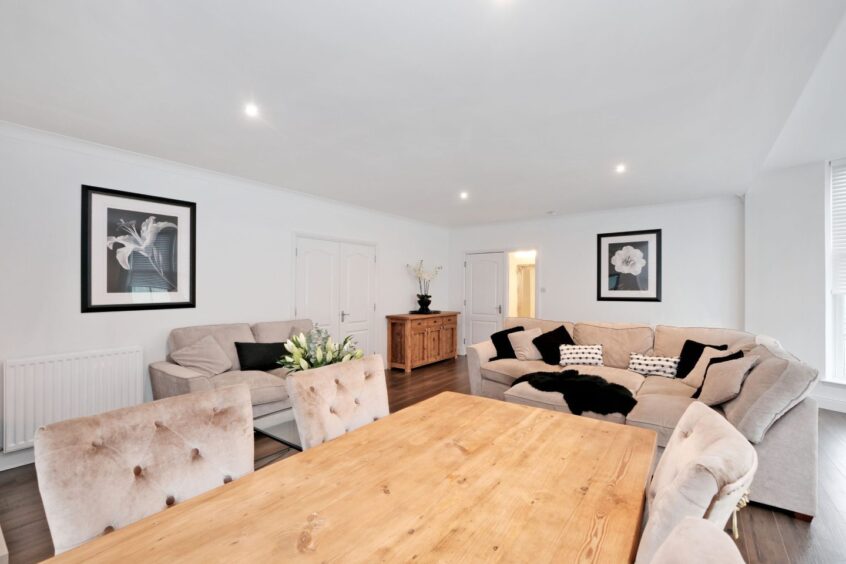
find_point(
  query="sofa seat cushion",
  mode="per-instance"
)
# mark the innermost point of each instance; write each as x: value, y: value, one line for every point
x: 660, y: 413
x: 506, y: 370
x: 626, y: 378
x: 524, y: 394
x: 264, y: 387
x: 665, y: 386
x: 618, y: 340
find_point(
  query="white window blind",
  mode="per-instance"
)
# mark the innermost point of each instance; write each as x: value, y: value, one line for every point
x: 838, y: 227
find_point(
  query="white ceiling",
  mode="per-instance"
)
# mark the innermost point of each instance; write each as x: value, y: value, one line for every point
x: 399, y: 106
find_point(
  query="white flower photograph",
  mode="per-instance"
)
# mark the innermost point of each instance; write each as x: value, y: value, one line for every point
x: 629, y: 266
x: 137, y: 251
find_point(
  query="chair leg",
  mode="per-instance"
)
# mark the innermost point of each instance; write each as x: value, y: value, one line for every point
x: 741, y: 503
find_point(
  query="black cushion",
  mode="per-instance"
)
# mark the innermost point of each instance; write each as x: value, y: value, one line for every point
x: 549, y: 344
x: 259, y: 356
x: 503, y: 345
x: 716, y: 360
x: 690, y: 353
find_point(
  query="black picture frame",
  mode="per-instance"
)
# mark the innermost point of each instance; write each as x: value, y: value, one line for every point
x: 645, y: 236
x: 89, y: 303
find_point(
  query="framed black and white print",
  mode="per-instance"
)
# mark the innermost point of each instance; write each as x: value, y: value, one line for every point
x: 629, y: 266
x: 138, y: 251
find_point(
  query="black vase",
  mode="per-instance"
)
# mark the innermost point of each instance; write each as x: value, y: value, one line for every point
x: 424, y: 301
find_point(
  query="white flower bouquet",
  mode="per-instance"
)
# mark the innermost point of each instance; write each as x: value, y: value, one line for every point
x: 424, y: 277
x: 317, y: 349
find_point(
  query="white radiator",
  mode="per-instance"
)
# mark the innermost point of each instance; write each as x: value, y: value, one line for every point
x: 38, y: 391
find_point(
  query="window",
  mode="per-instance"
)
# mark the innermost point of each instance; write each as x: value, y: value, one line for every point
x: 838, y: 265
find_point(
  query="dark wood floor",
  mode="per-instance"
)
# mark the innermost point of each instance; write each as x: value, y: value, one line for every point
x: 767, y: 536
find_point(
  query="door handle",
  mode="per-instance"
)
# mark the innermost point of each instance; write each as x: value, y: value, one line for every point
x: 499, y: 309
x: 343, y: 316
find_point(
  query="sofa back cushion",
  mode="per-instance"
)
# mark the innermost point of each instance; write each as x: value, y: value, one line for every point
x: 618, y: 340
x: 225, y: 335
x: 545, y: 325
x: 280, y: 331
x: 670, y: 340
x: 777, y: 383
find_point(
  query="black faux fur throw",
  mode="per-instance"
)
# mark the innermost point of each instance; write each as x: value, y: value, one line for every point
x: 583, y: 392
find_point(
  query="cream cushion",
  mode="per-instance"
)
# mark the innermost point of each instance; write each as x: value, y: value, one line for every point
x: 205, y: 356
x: 697, y: 374
x: 264, y: 387
x: 617, y: 340
x: 774, y: 386
x: 705, y: 469
x: 101, y: 473
x: 339, y: 398
x: 506, y: 370
x: 659, y: 413
x: 280, y: 331
x: 521, y: 342
x: 226, y: 335
x: 665, y: 386
x: 670, y: 340
x: 724, y: 380
x: 697, y: 541
x: 545, y: 325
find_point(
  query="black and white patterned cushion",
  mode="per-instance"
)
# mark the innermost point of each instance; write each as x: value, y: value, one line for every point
x: 581, y: 354
x: 660, y: 365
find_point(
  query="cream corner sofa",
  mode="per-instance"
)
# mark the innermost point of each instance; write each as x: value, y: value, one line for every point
x: 786, y: 441
x: 267, y: 389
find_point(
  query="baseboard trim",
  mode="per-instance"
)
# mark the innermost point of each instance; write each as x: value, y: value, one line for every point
x: 18, y: 458
x: 832, y: 404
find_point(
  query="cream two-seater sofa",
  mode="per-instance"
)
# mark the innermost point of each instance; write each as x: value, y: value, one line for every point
x: 773, y: 409
x: 267, y: 389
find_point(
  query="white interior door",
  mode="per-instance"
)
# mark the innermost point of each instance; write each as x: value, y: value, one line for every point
x: 357, y: 294
x: 317, y: 283
x: 484, y: 294
x: 336, y: 288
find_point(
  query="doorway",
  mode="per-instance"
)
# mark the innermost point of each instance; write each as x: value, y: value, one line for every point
x: 335, y: 287
x: 521, y: 283
x: 484, y: 295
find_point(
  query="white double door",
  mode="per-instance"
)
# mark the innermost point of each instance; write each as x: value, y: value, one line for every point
x: 484, y: 295
x: 336, y: 288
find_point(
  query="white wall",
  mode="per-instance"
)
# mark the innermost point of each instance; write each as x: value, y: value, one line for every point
x: 702, y: 262
x: 786, y: 293
x: 244, y: 247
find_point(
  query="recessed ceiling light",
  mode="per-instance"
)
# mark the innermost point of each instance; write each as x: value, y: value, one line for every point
x: 464, y: 195
x: 620, y: 168
x: 251, y: 110
x: 551, y: 212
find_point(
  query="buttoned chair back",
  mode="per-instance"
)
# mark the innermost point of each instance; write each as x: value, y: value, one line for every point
x: 705, y: 470
x: 100, y: 473
x: 697, y: 541
x: 336, y: 399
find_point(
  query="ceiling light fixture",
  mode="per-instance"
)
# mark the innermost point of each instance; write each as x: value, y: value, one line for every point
x: 620, y: 168
x: 251, y: 110
x: 464, y: 195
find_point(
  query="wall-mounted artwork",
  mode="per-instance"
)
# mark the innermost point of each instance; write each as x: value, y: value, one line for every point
x: 138, y: 251
x: 629, y: 266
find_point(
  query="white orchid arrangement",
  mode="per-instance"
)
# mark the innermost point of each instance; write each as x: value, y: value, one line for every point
x: 424, y: 277
x: 317, y: 349
x: 143, y: 243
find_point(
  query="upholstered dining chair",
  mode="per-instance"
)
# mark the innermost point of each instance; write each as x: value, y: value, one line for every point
x: 697, y: 541
x: 336, y: 399
x: 100, y: 473
x: 706, y: 469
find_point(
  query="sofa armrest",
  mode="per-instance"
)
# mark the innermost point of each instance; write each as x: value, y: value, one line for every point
x: 476, y: 355
x: 169, y: 379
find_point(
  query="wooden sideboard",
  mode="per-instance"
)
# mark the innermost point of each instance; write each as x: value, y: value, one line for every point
x: 418, y: 339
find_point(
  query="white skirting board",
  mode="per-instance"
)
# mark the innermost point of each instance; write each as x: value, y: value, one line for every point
x: 41, y: 390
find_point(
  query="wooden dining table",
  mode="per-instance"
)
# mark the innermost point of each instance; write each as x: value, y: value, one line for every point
x: 454, y: 478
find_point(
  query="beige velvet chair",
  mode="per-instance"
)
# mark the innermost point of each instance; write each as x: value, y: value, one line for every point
x: 697, y: 541
x: 705, y: 470
x: 100, y: 473
x: 336, y: 399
